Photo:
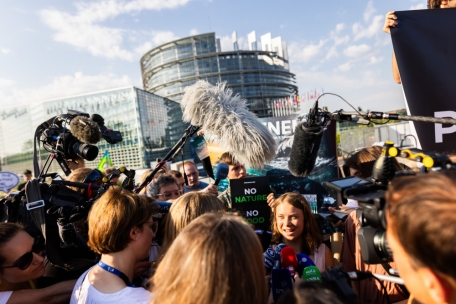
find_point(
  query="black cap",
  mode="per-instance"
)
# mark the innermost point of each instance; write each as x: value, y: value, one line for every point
x: 27, y: 171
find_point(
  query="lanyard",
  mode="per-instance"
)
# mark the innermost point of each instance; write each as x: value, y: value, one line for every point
x: 116, y: 272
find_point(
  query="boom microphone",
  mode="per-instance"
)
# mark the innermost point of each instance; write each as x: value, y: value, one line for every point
x: 226, y: 120
x: 306, y: 143
x: 85, y: 130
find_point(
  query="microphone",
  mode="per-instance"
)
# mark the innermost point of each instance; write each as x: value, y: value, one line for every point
x: 270, y: 259
x: 85, y: 130
x: 288, y: 260
x: 306, y: 143
x: 199, y: 143
x: 221, y: 172
x: 227, y: 120
x: 303, y: 262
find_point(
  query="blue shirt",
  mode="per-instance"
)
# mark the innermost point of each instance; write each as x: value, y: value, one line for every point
x: 201, y: 186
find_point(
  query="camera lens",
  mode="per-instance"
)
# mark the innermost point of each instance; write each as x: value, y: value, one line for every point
x: 86, y: 151
x: 382, y: 246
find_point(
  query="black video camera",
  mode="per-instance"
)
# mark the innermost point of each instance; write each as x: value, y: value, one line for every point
x: 370, y: 194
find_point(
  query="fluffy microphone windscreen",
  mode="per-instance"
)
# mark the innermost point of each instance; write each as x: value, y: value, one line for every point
x: 304, y: 151
x: 228, y: 122
x: 85, y: 130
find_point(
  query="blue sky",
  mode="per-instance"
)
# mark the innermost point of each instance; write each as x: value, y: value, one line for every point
x: 51, y: 49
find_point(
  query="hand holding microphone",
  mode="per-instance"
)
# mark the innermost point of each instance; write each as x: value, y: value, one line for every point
x: 221, y: 172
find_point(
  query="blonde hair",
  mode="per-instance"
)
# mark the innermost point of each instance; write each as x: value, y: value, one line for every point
x: 184, y: 210
x: 311, y: 235
x: 220, y: 260
x: 112, y: 217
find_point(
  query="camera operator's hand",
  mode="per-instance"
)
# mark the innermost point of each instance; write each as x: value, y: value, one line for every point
x: 390, y: 21
x: 211, y: 189
x: 338, y: 224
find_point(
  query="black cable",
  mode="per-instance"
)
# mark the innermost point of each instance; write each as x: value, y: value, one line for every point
x: 384, y: 291
x: 345, y: 101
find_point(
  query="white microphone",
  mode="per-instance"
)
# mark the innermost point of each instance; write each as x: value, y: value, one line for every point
x: 226, y: 120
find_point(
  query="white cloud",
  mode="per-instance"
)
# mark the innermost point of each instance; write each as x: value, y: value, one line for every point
x: 5, y: 51
x: 370, y: 11
x: 304, y: 53
x: 360, y: 31
x: 63, y: 86
x: 4, y: 82
x: 332, y: 53
x: 194, y: 32
x: 83, y: 30
x: 356, y: 51
x: 340, y: 27
x: 344, y: 67
x: 418, y: 6
x: 375, y: 59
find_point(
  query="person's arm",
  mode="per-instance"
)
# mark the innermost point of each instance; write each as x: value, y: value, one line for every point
x: 57, y: 293
x: 329, y: 259
x: 396, y: 75
x: 211, y: 189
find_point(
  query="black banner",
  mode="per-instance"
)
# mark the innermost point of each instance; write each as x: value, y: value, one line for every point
x: 425, y: 47
x: 249, y: 196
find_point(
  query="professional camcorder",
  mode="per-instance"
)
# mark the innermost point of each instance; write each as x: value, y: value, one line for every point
x: 370, y: 194
x: 64, y: 143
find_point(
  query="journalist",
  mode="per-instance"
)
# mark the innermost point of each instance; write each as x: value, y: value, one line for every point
x: 421, y: 217
x: 121, y: 229
x: 216, y: 259
x: 193, y: 182
x: 164, y: 188
x: 22, y: 264
x: 184, y: 210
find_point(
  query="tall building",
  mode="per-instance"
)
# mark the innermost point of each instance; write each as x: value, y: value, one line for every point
x: 150, y: 126
x: 260, y: 74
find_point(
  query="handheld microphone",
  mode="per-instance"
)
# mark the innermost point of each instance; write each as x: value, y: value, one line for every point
x: 85, y: 130
x: 270, y: 259
x: 280, y: 282
x: 227, y: 120
x: 311, y: 274
x: 306, y: 143
x: 164, y: 206
x: 200, y: 145
x: 221, y: 172
x: 288, y: 260
x: 303, y: 262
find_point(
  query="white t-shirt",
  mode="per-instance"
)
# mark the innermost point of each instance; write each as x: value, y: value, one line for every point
x: 84, y: 292
x: 4, y: 296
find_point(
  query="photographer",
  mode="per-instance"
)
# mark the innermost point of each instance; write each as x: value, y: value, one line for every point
x: 421, y: 228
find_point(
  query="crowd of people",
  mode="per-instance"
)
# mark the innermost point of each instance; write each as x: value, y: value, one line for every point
x: 202, y: 251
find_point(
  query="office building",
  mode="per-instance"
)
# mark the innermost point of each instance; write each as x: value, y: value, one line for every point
x: 260, y: 73
x: 150, y: 126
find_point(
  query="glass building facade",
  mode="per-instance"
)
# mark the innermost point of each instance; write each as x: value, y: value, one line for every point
x: 150, y: 126
x: 260, y: 77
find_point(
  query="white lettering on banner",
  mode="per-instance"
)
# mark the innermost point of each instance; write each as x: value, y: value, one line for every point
x: 439, y: 130
x: 252, y: 213
x: 250, y: 191
x: 281, y: 128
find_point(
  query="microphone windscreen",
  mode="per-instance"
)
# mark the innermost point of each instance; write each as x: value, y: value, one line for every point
x: 288, y: 258
x: 85, y: 130
x: 227, y: 121
x: 270, y: 258
x: 221, y: 172
x: 303, y: 262
x: 304, y: 150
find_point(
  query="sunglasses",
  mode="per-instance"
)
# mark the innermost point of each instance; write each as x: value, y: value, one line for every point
x: 26, y: 260
x: 94, y: 176
x: 154, y: 226
x: 168, y: 195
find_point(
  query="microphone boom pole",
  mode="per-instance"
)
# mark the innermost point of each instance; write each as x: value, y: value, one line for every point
x: 179, y: 145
